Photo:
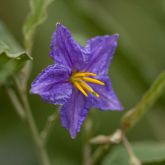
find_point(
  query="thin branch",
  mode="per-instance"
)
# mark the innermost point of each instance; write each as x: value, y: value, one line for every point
x: 42, y: 153
x: 100, y: 151
x: 43, y: 157
x: 105, y: 144
x: 144, y: 105
x: 87, y: 147
x: 16, y: 103
x: 133, y: 159
x: 48, y: 127
x: 103, y: 139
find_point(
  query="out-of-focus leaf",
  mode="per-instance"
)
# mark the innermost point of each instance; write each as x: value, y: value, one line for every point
x: 12, y: 57
x: 141, y: 35
x: 149, y: 98
x: 35, y: 18
x: 148, y: 152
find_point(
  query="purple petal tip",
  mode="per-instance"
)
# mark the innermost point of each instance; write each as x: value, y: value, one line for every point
x: 58, y: 23
x: 116, y: 35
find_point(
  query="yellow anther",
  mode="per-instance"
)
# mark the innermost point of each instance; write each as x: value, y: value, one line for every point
x: 95, y: 94
x: 78, y: 86
x: 79, y: 79
x: 92, y: 80
x: 86, y: 86
x: 83, y: 74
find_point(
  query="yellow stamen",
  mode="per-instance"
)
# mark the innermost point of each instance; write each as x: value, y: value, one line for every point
x: 95, y: 94
x: 78, y: 86
x: 92, y: 80
x: 88, y: 88
x: 80, y: 79
x: 83, y: 74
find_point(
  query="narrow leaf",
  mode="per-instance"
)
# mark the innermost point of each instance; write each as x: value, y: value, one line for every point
x: 12, y: 56
x: 149, y: 98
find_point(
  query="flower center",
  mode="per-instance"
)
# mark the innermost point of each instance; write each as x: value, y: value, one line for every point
x: 80, y: 80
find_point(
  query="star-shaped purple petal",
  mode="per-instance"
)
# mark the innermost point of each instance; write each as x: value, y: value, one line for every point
x: 70, y: 83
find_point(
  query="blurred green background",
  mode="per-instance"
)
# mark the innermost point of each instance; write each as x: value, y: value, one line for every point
x: 138, y: 61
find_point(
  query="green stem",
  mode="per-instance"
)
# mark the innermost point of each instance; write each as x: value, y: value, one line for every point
x: 49, y: 126
x: 87, y: 147
x: 15, y: 101
x: 42, y: 154
x: 133, y: 159
x: 100, y: 151
x: 144, y: 105
x: 105, y: 142
x: 39, y: 143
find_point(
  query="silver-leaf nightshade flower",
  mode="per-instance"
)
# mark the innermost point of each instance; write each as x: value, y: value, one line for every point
x: 78, y: 79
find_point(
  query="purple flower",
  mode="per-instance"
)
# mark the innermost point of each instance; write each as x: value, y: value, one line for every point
x: 78, y: 80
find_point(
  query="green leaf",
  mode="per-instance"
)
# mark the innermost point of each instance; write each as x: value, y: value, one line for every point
x: 12, y: 57
x: 149, y: 98
x: 34, y: 19
x: 150, y: 153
